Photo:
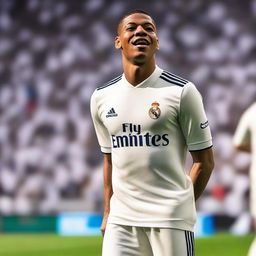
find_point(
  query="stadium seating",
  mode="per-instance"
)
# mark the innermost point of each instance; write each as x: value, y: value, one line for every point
x: 53, y: 54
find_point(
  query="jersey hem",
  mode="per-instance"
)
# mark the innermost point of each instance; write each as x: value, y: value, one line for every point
x: 176, y: 224
x: 200, y: 145
x: 201, y: 149
x: 105, y: 150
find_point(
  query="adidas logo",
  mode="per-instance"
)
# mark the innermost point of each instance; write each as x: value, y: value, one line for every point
x: 111, y: 113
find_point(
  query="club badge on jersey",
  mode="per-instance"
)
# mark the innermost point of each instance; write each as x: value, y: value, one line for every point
x: 154, y: 112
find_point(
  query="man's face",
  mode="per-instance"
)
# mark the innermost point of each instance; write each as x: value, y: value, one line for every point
x: 137, y: 38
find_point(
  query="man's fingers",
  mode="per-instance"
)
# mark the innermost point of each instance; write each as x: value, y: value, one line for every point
x: 102, y: 231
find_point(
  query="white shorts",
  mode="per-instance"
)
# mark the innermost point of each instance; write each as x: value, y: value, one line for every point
x: 122, y: 240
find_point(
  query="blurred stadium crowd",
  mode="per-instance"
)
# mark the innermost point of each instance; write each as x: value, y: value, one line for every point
x: 53, y: 54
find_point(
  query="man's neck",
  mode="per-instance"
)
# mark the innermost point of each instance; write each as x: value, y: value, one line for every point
x: 135, y: 74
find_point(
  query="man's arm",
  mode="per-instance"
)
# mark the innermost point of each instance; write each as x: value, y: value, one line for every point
x: 108, y: 191
x: 244, y: 147
x: 242, y: 136
x: 201, y: 170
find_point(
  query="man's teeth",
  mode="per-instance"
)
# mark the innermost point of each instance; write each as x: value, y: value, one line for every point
x: 141, y: 43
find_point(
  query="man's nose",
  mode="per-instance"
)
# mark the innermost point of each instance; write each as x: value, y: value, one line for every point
x: 140, y: 31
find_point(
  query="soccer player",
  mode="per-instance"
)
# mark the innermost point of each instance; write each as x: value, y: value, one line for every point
x: 145, y: 120
x: 245, y: 140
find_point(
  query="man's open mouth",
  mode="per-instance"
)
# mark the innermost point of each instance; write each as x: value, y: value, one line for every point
x: 141, y: 42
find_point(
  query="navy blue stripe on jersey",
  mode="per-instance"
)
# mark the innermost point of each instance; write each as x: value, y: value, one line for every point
x: 113, y: 81
x: 190, y: 243
x: 174, y: 76
x: 171, y: 81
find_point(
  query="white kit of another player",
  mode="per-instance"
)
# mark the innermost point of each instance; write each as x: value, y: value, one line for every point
x: 245, y: 140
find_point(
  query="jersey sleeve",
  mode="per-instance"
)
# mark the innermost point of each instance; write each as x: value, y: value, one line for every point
x: 193, y: 120
x: 100, y: 129
x: 242, y: 134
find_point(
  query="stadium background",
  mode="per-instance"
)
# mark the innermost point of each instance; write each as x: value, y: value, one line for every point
x: 53, y: 54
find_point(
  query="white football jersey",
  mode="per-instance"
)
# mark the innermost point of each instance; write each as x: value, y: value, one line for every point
x: 148, y: 128
x: 246, y: 134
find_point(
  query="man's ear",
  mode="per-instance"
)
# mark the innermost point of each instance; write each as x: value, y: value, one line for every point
x: 157, y: 44
x: 118, y: 43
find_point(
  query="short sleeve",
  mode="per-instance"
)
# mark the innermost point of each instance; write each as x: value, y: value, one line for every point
x: 100, y: 129
x: 193, y: 120
x: 242, y: 134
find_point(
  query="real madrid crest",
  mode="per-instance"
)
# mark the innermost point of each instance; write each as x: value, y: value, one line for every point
x: 154, y: 112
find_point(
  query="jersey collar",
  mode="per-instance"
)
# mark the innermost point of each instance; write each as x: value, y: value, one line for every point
x: 147, y: 82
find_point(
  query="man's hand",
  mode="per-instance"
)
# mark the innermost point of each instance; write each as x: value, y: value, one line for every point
x: 254, y: 224
x: 104, y: 224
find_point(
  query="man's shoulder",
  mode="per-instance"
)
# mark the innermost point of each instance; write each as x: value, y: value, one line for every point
x: 109, y: 83
x: 253, y: 107
x: 173, y: 79
x: 250, y: 112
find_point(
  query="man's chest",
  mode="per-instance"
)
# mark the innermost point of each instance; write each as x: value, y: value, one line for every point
x: 139, y: 110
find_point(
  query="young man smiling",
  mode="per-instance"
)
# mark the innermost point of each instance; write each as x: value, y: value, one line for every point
x: 145, y: 121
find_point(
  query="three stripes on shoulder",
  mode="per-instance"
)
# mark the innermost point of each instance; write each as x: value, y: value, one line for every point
x: 173, y: 79
x: 113, y: 81
x: 167, y: 76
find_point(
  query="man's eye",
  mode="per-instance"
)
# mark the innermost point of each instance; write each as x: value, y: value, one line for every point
x: 130, y: 28
x: 149, y: 29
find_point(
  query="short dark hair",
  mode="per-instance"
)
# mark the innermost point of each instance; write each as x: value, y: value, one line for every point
x: 133, y: 12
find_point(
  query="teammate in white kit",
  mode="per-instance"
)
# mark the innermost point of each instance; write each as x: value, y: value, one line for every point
x: 245, y: 140
x: 145, y: 121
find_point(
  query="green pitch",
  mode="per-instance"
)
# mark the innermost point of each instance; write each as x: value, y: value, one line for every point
x: 53, y: 245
